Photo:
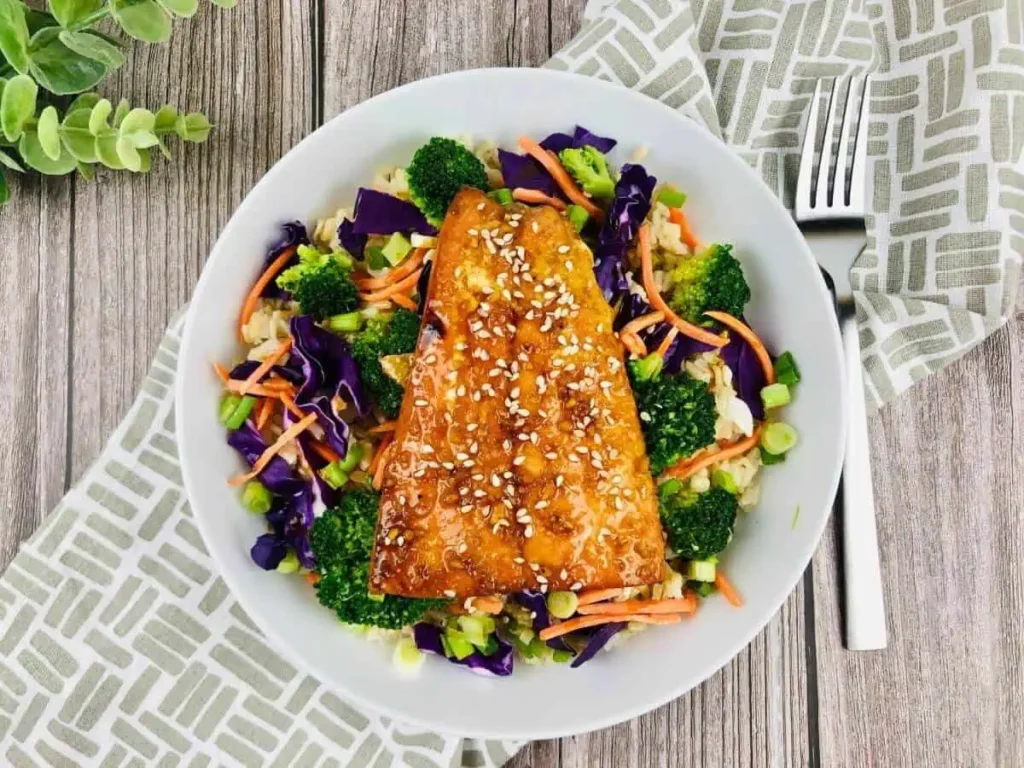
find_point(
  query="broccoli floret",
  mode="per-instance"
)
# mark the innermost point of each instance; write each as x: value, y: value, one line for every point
x: 677, y: 413
x: 393, y: 334
x: 589, y: 167
x: 439, y: 169
x: 711, y: 280
x: 321, y: 283
x: 342, y: 540
x: 699, y: 525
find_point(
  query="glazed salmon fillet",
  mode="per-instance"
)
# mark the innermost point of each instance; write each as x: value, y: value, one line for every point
x: 518, y: 461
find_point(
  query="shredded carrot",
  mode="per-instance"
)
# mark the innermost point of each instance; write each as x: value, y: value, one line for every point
x: 405, y: 302
x: 313, y: 578
x: 286, y: 437
x: 235, y: 385
x: 378, y: 454
x: 400, y: 287
x: 597, y: 595
x: 266, y: 409
x: 667, y: 341
x: 676, y: 216
x: 634, y: 344
x: 492, y: 605
x: 582, y: 622
x: 386, y: 426
x: 561, y: 176
x: 687, y: 467
x: 681, y: 605
x: 404, y: 269
x: 536, y: 197
x: 222, y: 372
x: 727, y: 589
x: 289, y: 403
x: 324, y: 451
x: 249, y: 305
x: 264, y: 368
x: 654, y: 296
x: 751, y: 338
x: 644, y: 321
x: 278, y: 385
x: 378, y: 473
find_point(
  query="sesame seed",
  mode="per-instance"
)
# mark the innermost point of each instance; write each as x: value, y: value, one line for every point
x: 451, y: 592
x: 540, y: 504
x: 420, y: 402
x: 563, y: 249
x: 474, y: 232
x: 466, y: 508
x: 534, y: 227
x: 448, y: 465
x: 645, y: 416
x: 576, y: 586
x: 462, y: 548
x: 518, y: 460
x: 541, y: 579
x: 479, y: 494
x: 564, y: 574
x: 573, y: 458
x: 518, y: 560
x: 558, y: 481
x: 478, y: 477
x: 426, y: 449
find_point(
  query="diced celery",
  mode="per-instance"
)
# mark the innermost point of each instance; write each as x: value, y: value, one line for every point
x: 671, y: 197
x: 256, y: 497
x: 334, y: 475
x: 701, y: 570
x: 290, y: 564
x: 227, y: 407
x: 396, y: 248
x: 347, y: 323
x: 476, y: 628
x: 722, y: 479
x: 502, y: 196
x: 778, y: 437
x: 563, y: 657
x: 578, y: 217
x: 775, y: 395
x: 460, y: 645
x: 562, y: 605
x: 490, y: 647
x: 704, y: 588
x: 786, y: 371
x: 407, y: 657
x: 352, y: 458
x: 241, y: 413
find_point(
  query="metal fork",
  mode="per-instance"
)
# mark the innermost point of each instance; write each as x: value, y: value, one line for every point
x: 830, y: 209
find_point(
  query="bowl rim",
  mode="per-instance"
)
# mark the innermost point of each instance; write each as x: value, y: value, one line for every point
x: 764, y: 611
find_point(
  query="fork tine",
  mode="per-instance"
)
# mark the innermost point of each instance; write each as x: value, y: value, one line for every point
x: 822, y: 198
x: 858, y: 180
x: 840, y: 197
x: 806, y: 172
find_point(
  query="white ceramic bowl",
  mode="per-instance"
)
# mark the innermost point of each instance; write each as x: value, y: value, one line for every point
x: 790, y: 308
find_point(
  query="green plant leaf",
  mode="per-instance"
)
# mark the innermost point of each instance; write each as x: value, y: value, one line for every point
x: 137, y: 127
x: 77, y: 137
x: 14, y: 35
x: 84, y: 101
x: 142, y: 19
x: 225, y: 3
x: 10, y: 162
x: 70, y: 12
x: 193, y: 127
x: 5, y: 191
x: 86, y: 171
x: 35, y: 156
x: 129, y: 154
x: 58, y: 68
x: 145, y: 161
x: 106, y: 151
x: 37, y: 20
x: 98, y: 117
x: 184, y: 8
x: 17, y: 105
x: 120, y: 112
x: 93, y: 47
x: 48, y: 130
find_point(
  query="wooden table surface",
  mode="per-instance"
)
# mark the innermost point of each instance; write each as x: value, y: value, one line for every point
x: 92, y: 272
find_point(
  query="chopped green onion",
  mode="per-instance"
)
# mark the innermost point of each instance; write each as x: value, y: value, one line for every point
x: 347, y: 323
x: 352, y: 458
x: 562, y: 605
x: 671, y: 197
x: 377, y: 597
x: 669, y: 488
x: 701, y: 570
x: 704, y: 588
x: 446, y: 646
x: 290, y: 564
x: 459, y: 644
x: 724, y: 480
x: 227, y: 407
x: 563, y: 657
x: 578, y: 217
x: 476, y: 629
x: 334, y: 475
x: 396, y: 249
x: 502, y: 196
x: 407, y: 656
x: 775, y: 396
x: 786, y: 371
x: 375, y: 258
x: 490, y: 647
x: 767, y: 459
x: 256, y: 497
x: 238, y: 416
x: 778, y: 438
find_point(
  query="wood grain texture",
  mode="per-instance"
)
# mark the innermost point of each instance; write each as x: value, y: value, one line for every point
x: 93, y: 272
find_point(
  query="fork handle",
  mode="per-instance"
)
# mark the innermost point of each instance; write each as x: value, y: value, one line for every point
x: 865, y: 608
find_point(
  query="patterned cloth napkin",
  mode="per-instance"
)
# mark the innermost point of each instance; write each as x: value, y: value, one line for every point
x: 119, y: 644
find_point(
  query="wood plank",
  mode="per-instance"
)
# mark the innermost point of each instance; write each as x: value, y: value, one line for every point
x: 141, y: 240
x: 35, y: 243
x: 948, y: 479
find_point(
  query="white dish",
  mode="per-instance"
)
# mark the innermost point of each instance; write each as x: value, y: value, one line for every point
x: 790, y: 308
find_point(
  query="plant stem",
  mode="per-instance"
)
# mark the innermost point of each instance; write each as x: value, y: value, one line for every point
x: 92, y: 18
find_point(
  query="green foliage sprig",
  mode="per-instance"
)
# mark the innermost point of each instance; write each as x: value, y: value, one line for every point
x: 46, y: 58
